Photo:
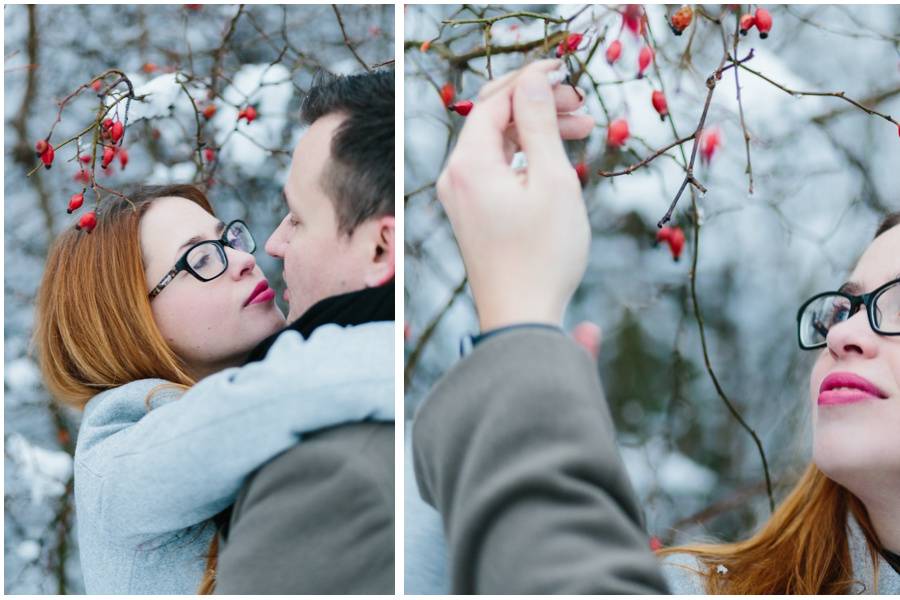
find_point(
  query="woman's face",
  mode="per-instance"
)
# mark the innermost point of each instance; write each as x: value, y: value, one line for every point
x: 210, y: 325
x: 857, y: 443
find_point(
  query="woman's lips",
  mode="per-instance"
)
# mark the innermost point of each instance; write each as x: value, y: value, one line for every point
x: 847, y: 388
x: 261, y: 293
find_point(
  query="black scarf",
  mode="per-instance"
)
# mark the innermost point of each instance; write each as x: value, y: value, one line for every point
x: 353, y: 308
x: 892, y: 559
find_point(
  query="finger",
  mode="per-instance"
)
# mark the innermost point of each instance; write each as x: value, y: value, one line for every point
x: 491, y: 87
x: 508, y: 81
x: 575, y: 127
x: 534, y: 112
x: 571, y: 127
x: 482, y: 142
x: 567, y: 99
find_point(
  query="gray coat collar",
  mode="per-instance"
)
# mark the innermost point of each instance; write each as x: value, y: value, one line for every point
x: 864, y: 569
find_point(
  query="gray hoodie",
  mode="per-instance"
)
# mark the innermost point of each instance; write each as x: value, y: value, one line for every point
x: 147, y: 483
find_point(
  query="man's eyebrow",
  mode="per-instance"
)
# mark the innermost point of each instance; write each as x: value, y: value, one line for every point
x: 220, y: 227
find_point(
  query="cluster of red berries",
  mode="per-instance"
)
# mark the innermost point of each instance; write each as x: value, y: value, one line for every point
x: 462, y: 107
x: 674, y: 237
x: 44, y: 151
x: 761, y: 19
x: 249, y: 113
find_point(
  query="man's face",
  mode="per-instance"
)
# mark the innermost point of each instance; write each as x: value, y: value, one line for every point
x: 320, y: 261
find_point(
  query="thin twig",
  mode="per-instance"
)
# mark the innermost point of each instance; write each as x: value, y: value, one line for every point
x: 347, y: 41
x: 737, y: 86
x: 647, y: 160
x: 840, y: 95
x: 414, y: 356
x: 513, y: 15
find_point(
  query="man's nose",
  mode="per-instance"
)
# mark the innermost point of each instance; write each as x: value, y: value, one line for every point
x: 274, y: 243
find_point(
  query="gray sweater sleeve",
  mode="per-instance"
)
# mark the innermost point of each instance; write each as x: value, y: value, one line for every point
x: 516, y: 449
x: 184, y: 461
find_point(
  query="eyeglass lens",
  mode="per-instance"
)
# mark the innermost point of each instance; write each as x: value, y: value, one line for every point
x: 823, y: 313
x: 208, y: 259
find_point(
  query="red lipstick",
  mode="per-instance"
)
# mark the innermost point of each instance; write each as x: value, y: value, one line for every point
x: 847, y: 388
x: 261, y: 293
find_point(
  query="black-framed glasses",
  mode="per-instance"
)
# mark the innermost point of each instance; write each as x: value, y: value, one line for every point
x: 207, y: 260
x: 823, y: 311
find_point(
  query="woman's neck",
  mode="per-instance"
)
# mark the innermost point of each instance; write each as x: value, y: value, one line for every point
x: 200, y: 371
x: 884, y: 512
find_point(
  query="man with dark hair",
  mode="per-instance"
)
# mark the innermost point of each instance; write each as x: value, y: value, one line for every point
x: 319, y: 519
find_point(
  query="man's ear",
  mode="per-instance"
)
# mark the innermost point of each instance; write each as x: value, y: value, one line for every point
x: 383, y: 249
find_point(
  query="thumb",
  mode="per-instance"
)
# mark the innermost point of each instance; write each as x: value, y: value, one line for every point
x: 534, y: 114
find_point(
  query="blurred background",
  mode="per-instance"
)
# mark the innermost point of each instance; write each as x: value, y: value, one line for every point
x: 824, y: 173
x: 226, y: 56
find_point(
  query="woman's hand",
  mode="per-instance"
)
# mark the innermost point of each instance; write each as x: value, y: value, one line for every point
x: 523, y: 236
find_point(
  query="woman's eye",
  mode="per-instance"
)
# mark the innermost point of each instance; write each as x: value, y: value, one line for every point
x: 839, y: 314
x: 201, y: 263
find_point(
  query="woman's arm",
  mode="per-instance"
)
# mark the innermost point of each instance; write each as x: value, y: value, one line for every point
x: 184, y: 461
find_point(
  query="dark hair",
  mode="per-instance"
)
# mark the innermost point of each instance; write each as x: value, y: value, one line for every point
x: 889, y: 222
x: 359, y: 178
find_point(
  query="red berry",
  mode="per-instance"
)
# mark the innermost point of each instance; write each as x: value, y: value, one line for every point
x: 655, y: 544
x: 209, y: 154
x: 75, y: 203
x: 209, y: 111
x: 569, y: 44
x: 659, y: 103
x: 150, y: 67
x: 588, y: 336
x: 681, y: 19
x: 710, y: 140
x: 107, y: 123
x: 584, y: 176
x: 634, y: 18
x: 425, y: 46
x: 82, y: 176
x: 463, y: 107
x: 613, y: 52
x: 40, y: 147
x: 85, y: 158
x: 116, y: 131
x: 676, y: 242
x: 96, y: 85
x: 193, y: 6
x: 123, y: 157
x: 763, y: 19
x: 47, y: 156
x: 617, y: 133
x: 447, y: 94
x: 87, y: 222
x: 747, y: 23
x: 108, y: 155
x: 663, y: 235
x: 644, y: 59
